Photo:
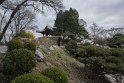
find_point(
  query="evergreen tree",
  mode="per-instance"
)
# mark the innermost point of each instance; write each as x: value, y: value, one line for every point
x: 59, y: 23
x: 68, y: 25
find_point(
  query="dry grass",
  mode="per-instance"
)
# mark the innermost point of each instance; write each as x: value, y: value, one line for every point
x: 58, y: 57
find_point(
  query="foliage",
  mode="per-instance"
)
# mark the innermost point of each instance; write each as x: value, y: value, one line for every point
x: 72, y: 46
x: 59, y: 22
x: 92, y: 50
x: 31, y: 78
x: 83, y: 32
x: 24, y: 34
x: 117, y: 52
x: 57, y: 75
x: 69, y: 35
x: 116, y: 41
x: 80, y: 52
x: 18, y: 61
x: 86, y: 44
x: 98, y: 59
x: 67, y: 23
x: 14, y: 44
x: 95, y: 64
x: 30, y: 46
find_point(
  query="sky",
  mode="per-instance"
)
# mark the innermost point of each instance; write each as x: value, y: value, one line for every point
x: 106, y: 13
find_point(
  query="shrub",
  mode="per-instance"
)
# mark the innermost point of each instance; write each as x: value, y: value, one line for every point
x: 30, y: 46
x: 72, y: 46
x: 86, y: 44
x: 24, y: 34
x: 14, y: 44
x: 97, y: 51
x: 117, y: 52
x: 113, y: 59
x: 90, y: 50
x: 31, y: 78
x: 81, y: 52
x: 57, y: 75
x: 113, y: 68
x: 102, y: 52
x: 95, y: 64
x: 18, y: 61
x: 110, y: 68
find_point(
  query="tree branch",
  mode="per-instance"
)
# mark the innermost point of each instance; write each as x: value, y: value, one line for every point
x: 11, y: 17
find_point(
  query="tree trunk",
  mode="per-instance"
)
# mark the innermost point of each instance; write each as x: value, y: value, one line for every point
x: 1, y: 1
x: 11, y: 17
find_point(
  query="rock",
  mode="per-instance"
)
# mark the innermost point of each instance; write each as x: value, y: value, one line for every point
x: 40, y: 46
x: 110, y: 78
x: 3, y: 49
x: 51, y: 48
x: 55, y: 46
x: 117, y: 78
x: 39, y: 55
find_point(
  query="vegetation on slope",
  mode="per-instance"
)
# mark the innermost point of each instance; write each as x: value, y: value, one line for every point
x: 58, y: 57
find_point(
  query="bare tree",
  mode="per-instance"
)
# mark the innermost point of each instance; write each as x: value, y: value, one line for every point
x: 95, y: 31
x: 3, y: 18
x: 23, y: 20
x: 55, y: 4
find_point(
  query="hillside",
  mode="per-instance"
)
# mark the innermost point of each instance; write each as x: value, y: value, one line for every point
x: 57, y: 57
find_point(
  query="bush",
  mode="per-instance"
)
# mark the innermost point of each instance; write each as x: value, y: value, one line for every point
x: 31, y: 78
x: 110, y: 68
x: 72, y: 46
x: 113, y: 59
x: 90, y: 50
x: 18, y: 61
x: 97, y: 51
x: 81, y: 52
x: 30, y: 46
x: 86, y: 44
x: 57, y: 75
x: 117, y: 52
x: 24, y: 34
x: 14, y: 44
x: 95, y: 64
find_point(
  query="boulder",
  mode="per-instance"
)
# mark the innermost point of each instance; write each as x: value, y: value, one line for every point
x: 51, y: 48
x: 39, y: 55
x: 117, y: 78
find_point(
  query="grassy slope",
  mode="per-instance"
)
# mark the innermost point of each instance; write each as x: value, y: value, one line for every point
x: 60, y: 58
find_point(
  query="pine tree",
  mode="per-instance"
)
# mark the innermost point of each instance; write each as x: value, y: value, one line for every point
x: 67, y: 24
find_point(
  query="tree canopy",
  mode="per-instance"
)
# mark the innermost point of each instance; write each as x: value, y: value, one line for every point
x: 67, y: 24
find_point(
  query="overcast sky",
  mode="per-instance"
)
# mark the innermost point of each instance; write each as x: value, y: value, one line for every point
x: 106, y: 13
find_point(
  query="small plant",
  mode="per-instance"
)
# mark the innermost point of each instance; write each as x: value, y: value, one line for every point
x: 81, y: 52
x: 30, y: 46
x: 57, y: 75
x: 18, y: 62
x: 32, y: 78
x: 14, y: 44
x: 72, y: 46
x: 95, y: 64
x: 117, y: 52
x: 24, y: 34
